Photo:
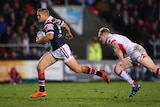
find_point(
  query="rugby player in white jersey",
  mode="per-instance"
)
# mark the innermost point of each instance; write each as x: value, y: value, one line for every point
x: 59, y: 50
x: 128, y: 53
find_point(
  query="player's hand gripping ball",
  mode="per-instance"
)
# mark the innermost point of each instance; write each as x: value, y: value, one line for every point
x: 40, y: 34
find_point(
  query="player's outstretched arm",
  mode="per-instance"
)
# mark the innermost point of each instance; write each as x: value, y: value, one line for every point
x: 68, y: 31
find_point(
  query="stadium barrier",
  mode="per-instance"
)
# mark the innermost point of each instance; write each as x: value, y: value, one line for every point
x: 59, y: 71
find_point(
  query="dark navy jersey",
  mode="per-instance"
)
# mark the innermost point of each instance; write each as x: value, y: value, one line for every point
x: 53, y: 25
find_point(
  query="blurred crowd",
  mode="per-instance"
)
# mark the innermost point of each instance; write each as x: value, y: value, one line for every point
x: 18, y: 27
x: 137, y: 19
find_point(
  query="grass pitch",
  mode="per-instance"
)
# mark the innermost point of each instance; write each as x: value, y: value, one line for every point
x: 91, y: 94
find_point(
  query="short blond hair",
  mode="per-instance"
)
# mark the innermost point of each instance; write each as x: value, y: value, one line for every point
x: 103, y: 30
x: 43, y: 11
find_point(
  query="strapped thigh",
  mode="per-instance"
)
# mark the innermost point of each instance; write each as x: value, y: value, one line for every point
x: 139, y: 53
x: 120, y: 67
x: 142, y: 56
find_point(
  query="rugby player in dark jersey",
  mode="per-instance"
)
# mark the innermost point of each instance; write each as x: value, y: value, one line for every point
x: 59, y: 51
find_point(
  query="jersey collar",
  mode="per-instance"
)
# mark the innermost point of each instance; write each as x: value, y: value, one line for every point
x: 49, y: 18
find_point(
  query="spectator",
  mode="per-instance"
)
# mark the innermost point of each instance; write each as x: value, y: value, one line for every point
x: 13, y: 55
x: 25, y: 41
x: 3, y: 25
x: 29, y: 9
x: 142, y: 24
x: 24, y: 54
x: 149, y: 11
x: 158, y: 47
x: 14, y: 76
x: 152, y: 44
x: 20, y: 30
x: 5, y: 56
x: 6, y: 35
x: 94, y: 50
x: 117, y: 20
x: 144, y: 29
x: 18, y: 10
x: 6, y: 11
x: 24, y: 22
x: 13, y: 20
x: 125, y: 19
x: 15, y: 40
x: 131, y: 30
x: 136, y: 15
x: 32, y: 33
x: 156, y: 26
x: 34, y: 54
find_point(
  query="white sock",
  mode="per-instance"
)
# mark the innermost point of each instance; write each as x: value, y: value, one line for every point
x: 127, y: 78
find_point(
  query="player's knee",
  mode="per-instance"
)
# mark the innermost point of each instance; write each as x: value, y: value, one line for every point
x: 115, y: 69
x: 40, y: 69
x: 153, y: 69
x: 118, y: 68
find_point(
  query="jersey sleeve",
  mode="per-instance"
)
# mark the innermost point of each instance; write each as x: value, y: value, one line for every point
x: 110, y: 41
x: 49, y: 28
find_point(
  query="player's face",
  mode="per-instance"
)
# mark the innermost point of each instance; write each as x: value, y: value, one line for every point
x: 102, y: 38
x: 40, y: 17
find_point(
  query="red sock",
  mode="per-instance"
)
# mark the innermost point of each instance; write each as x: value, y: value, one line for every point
x: 120, y: 73
x: 157, y: 71
x: 89, y: 70
x: 134, y: 83
x: 41, y: 80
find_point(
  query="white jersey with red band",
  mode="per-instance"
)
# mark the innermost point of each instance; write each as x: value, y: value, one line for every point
x: 124, y: 43
x: 129, y: 48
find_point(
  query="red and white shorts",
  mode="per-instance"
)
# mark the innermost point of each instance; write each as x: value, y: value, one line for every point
x: 63, y: 53
x: 138, y: 54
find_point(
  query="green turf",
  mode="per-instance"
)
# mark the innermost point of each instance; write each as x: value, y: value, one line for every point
x: 97, y: 94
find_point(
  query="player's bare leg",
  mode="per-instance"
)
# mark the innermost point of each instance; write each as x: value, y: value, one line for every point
x: 73, y: 65
x: 120, y: 71
x: 149, y: 64
x: 46, y: 60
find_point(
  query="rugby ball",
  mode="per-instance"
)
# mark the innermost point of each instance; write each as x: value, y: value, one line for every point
x: 40, y: 34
